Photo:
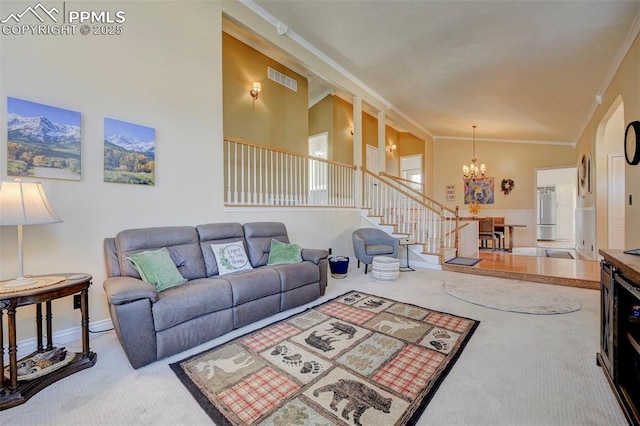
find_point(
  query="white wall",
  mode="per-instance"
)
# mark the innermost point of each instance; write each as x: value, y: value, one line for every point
x: 163, y: 72
x: 554, y: 176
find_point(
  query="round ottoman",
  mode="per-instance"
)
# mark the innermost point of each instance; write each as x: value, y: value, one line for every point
x: 385, y: 268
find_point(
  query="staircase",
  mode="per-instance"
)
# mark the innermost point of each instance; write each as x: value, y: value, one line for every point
x: 394, y: 207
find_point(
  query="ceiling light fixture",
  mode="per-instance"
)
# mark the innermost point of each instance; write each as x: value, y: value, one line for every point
x: 472, y: 171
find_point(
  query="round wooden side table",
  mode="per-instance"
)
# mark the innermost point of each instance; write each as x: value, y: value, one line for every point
x: 16, y: 389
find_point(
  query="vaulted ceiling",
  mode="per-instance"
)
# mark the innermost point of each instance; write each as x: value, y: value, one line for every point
x: 520, y: 70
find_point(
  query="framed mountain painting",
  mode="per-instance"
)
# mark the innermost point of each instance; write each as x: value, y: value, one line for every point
x: 43, y: 141
x: 129, y: 153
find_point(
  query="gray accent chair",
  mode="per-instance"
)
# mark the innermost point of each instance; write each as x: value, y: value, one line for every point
x: 152, y: 325
x: 371, y: 242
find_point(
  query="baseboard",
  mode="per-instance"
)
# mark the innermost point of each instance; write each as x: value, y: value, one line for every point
x: 61, y: 338
x: 423, y: 265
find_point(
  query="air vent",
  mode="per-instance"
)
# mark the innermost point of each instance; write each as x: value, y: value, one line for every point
x: 278, y: 77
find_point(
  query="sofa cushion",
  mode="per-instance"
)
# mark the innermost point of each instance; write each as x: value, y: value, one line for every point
x: 294, y: 275
x: 251, y: 285
x: 191, y: 300
x: 258, y: 236
x: 282, y: 253
x: 230, y: 257
x: 157, y: 268
x: 217, y: 233
x: 181, y: 242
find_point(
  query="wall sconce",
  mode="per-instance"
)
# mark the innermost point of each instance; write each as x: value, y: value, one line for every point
x: 392, y: 148
x: 255, y: 92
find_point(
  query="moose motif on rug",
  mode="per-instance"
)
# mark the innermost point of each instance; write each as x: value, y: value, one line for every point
x: 228, y: 365
x: 392, y: 326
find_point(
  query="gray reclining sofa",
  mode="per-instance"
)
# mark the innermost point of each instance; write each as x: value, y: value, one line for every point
x: 152, y: 325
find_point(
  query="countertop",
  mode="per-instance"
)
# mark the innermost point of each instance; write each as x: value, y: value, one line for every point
x: 628, y: 264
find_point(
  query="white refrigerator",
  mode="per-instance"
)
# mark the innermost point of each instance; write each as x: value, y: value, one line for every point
x: 547, y: 214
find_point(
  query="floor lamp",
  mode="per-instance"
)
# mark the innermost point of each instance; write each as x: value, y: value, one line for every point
x: 24, y: 203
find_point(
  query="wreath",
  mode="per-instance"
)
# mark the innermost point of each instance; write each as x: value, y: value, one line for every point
x: 507, y: 186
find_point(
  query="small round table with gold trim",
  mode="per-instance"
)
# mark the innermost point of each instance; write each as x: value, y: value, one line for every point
x: 15, y: 388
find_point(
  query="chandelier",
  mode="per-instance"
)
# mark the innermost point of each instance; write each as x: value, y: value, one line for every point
x: 473, y: 171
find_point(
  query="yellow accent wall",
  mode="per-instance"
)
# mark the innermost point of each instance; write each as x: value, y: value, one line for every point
x: 279, y: 117
x: 334, y: 116
x: 392, y: 159
x: 342, y: 128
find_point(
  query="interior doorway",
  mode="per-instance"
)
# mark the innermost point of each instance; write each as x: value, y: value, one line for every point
x: 411, y: 170
x: 318, y: 171
x: 616, y: 202
x: 555, y: 207
x: 372, y: 159
x: 610, y: 170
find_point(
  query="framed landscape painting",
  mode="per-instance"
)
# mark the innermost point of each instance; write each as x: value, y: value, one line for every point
x: 129, y: 152
x: 43, y: 141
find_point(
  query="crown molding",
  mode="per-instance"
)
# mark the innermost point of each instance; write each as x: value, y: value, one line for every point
x: 523, y: 141
x: 632, y: 34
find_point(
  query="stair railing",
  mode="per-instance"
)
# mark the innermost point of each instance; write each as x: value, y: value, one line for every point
x: 414, y: 186
x: 426, y: 221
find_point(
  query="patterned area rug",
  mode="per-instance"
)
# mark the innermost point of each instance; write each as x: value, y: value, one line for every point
x: 512, y: 296
x: 358, y: 360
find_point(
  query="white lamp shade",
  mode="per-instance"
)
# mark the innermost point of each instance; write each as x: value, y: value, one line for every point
x: 25, y: 203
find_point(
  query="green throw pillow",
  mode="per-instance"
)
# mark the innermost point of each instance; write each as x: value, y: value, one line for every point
x: 284, y: 253
x: 157, y: 268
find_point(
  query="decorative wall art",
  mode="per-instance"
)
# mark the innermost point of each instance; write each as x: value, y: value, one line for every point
x: 479, y: 191
x: 451, y: 192
x: 507, y: 186
x: 589, y: 180
x: 43, y: 141
x: 584, y: 175
x: 632, y: 143
x: 129, y: 153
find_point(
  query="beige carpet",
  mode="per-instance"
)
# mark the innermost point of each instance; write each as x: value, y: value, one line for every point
x: 517, y: 369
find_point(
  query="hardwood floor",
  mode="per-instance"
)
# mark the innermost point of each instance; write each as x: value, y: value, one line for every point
x: 568, y: 272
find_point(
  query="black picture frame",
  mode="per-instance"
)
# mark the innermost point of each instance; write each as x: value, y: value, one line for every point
x: 632, y: 143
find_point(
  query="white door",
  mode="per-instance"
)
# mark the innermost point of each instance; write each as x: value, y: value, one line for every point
x: 372, y: 159
x: 616, y: 202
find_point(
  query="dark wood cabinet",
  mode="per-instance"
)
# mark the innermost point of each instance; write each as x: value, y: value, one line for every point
x: 605, y: 357
x: 619, y: 354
